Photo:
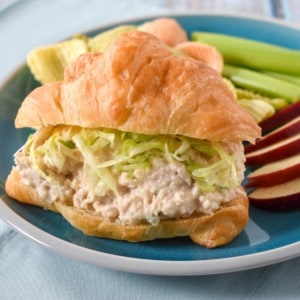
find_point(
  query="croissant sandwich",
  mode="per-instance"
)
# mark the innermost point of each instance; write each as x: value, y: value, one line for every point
x: 136, y: 144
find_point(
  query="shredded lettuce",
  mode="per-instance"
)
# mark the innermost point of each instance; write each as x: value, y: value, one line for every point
x: 105, y: 153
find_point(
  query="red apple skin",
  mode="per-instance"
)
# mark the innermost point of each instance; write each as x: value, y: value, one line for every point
x: 282, y: 152
x: 281, y: 117
x: 274, y: 178
x: 274, y: 137
x: 284, y: 203
x: 281, y: 197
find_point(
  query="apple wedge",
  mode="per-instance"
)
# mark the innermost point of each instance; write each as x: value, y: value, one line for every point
x: 283, y: 116
x: 283, y: 196
x: 275, y: 173
x: 281, y: 133
x: 274, y: 152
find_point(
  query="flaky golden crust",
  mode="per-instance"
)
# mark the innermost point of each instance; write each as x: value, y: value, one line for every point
x: 137, y: 85
x: 209, y: 231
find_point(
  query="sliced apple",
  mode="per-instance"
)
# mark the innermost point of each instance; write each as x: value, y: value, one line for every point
x: 278, y: 197
x: 281, y: 133
x: 274, y: 152
x: 281, y: 117
x: 275, y: 173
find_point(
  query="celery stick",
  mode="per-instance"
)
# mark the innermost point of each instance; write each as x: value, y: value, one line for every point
x: 262, y: 83
x: 285, y: 77
x: 252, y: 54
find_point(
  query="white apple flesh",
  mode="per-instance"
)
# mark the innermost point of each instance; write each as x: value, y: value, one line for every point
x: 275, y: 173
x: 281, y: 133
x: 274, y: 152
x: 283, y: 196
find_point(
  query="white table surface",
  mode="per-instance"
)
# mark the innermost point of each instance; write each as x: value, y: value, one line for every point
x: 28, y: 271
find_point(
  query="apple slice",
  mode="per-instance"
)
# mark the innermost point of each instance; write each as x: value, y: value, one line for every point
x: 281, y: 117
x: 278, y: 197
x: 274, y: 152
x: 275, y: 173
x: 281, y: 133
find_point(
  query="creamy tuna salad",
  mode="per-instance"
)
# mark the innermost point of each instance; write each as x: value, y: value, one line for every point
x: 131, y: 178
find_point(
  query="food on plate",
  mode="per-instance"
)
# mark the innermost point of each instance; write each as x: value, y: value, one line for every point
x: 277, y: 154
x: 274, y: 152
x: 257, y: 108
x: 252, y: 54
x: 137, y: 144
x: 101, y: 41
x: 262, y: 83
x: 283, y: 196
x: 47, y: 63
x: 276, y: 103
x: 255, y: 67
x: 56, y: 57
x: 168, y: 30
x: 275, y: 173
x: 203, y: 52
x: 282, y: 117
x: 266, y: 86
x: 44, y: 62
x: 285, y: 131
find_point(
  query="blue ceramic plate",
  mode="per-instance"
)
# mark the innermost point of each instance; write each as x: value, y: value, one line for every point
x: 268, y: 238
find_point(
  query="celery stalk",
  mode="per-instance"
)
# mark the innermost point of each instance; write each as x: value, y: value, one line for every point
x: 252, y: 54
x: 262, y: 83
x: 285, y: 77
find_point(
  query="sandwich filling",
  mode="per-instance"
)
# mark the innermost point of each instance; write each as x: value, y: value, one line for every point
x: 131, y: 178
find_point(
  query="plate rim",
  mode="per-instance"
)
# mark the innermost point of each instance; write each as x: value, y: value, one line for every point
x: 141, y: 265
x: 151, y: 266
x: 199, y: 13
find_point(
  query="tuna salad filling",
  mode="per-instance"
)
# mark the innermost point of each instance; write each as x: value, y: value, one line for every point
x: 131, y: 178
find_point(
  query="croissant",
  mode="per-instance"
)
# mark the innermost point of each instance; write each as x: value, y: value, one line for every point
x: 137, y: 144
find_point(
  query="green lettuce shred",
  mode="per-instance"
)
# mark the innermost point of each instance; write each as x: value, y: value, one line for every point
x: 105, y: 153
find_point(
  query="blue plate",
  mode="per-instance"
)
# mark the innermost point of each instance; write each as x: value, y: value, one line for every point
x: 268, y: 238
